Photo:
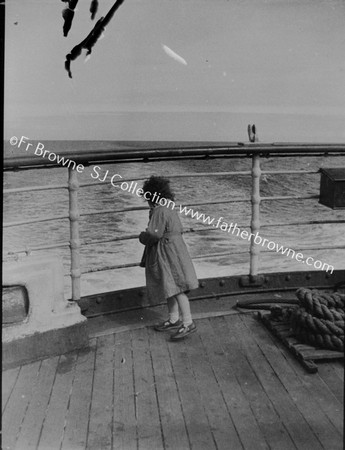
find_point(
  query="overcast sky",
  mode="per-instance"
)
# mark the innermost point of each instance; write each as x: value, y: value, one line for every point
x: 277, y: 63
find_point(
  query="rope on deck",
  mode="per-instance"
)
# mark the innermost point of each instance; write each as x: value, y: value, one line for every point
x: 319, y: 319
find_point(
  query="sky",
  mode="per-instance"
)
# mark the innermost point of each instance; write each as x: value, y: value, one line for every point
x: 179, y: 70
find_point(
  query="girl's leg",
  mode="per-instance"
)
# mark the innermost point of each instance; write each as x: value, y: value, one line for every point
x: 173, y: 309
x: 183, y: 303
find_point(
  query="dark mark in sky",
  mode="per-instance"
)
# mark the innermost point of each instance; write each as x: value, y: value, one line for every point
x: 92, y: 38
x: 93, y: 8
x: 68, y: 14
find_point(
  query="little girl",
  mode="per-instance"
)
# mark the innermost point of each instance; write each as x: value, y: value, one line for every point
x: 169, y: 270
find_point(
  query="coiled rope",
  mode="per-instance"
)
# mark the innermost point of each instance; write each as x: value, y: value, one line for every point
x: 319, y: 319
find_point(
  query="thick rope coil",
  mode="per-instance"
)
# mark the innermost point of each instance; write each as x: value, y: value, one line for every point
x: 319, y: 320
x: 321, y: 306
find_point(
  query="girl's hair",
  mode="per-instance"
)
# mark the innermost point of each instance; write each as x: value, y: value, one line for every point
x: 160, y: 185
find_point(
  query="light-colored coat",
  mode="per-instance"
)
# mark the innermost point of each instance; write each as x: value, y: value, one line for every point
x: 168, y: 266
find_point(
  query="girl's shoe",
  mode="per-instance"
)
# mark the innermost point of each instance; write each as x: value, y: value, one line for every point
x: 183, y: 331
x: 167, y: 325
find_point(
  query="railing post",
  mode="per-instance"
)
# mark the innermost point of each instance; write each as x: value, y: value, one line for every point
x: 255, y: 222
x: 73, y: 187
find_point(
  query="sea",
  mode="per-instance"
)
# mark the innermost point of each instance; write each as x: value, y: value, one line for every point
x: 324, y: 242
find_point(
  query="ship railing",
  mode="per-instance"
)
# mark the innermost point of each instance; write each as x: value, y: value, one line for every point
x: 255, y: 151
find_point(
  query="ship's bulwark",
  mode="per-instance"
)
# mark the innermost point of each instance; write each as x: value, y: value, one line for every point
x: 188, y: 191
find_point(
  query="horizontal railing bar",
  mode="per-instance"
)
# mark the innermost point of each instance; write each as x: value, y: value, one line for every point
x: 213, y: 202
x: 28, y: 222
x: 184, y: 175
x: 34, y: 188
x: 40, y: 247
x: 289, y: 172
x: 176, y: 158
x: 309, y: 222
x: 187, y: 230
x: 303, y: 249
x: 118, y: 181
x: 115, y: 267
x: 127, y: 237
x: 131, y: 151
x: 217, y: 255
x: 143, y: 208
x: 205, y: 174
x: 214, y: 255
x: 112, y: 211
x: 290, y: 197
x: 123, y: 266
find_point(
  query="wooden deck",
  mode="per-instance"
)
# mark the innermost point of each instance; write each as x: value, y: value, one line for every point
x: 229, y: 386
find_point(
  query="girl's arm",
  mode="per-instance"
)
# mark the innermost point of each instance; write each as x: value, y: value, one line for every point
x: 155, y: 229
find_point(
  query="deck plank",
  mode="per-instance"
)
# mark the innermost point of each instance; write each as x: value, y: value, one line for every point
x: 338, y: 367
x: 314, y: 390
x: 149, y: 427
x: 197, y: 424
x: 101, y: 411
x: 18, y: 403
x: 269, y: 421
x: 238, y: 405
x: 304, y: 405
x: 293, y: 420
x: 54, y: 422
x: 221, y: 425
x: 125, y: 426
x: 32, y: 424
x: 170, y: 410
x: 9, y: 378
x: 230, y: 385
x: 77, y: 419
x: 332, y: 380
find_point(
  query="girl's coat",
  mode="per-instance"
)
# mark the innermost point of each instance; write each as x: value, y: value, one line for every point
x: 168, y: 265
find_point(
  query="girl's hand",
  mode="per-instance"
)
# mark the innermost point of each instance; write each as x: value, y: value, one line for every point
x: 142, y: 237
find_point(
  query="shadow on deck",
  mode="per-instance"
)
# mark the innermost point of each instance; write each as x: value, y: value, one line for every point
x: 231, y: 385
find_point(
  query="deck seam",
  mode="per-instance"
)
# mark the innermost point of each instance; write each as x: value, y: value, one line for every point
x: 267, y: 394
x: 220, y: 389
x: 179, y: 397
x: 248, y: 401
x: 91, y: 396
x: 69, y: 402
x: 12, y: 389
x: 28, y: 403
x: 134, y: 394
x: 48, y: 403
x: 195, y: 378
x: 156, y: 393
x: 113, y: 396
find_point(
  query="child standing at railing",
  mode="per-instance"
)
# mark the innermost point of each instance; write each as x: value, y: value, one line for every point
x: 169, y: 270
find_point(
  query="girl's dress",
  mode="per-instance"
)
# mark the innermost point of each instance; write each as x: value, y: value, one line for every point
x: 168, y: 266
